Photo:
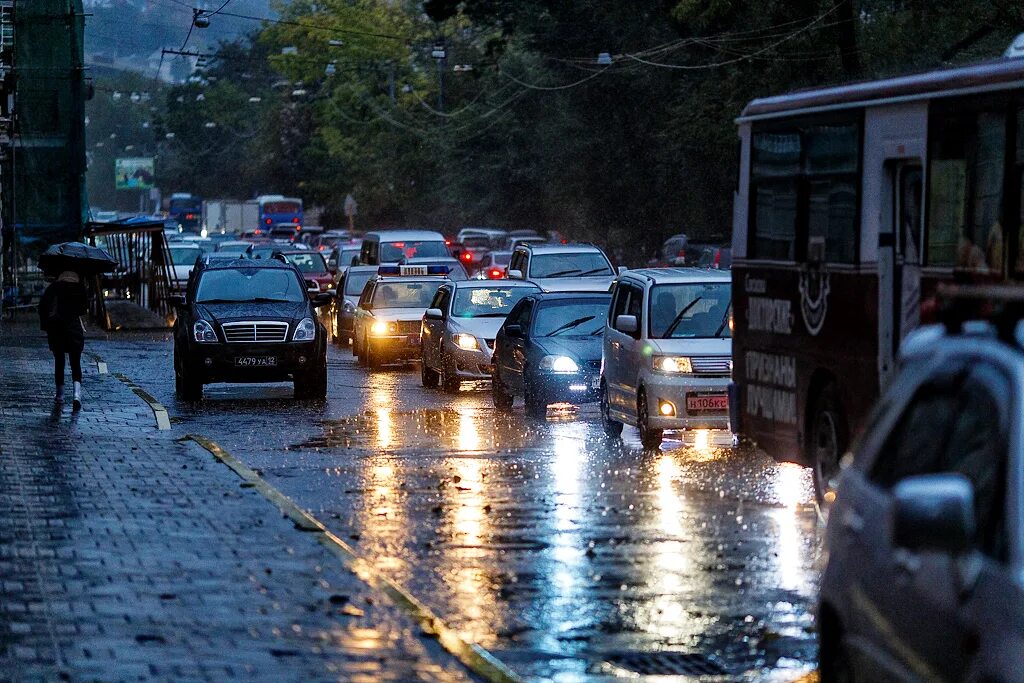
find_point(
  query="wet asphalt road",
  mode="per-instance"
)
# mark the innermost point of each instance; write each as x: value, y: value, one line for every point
x: 560, y: 550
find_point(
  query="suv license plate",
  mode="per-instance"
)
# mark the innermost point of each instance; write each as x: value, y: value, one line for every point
x: 413, y: 340
x: 707, y: 402
x: 255, y: 361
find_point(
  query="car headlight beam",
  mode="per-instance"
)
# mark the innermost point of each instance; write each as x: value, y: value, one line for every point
x: 305, y: 330
x: 673, y: 365
x: 379, y: 328
x: 559, y: 364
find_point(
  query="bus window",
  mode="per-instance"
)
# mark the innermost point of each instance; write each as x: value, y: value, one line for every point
x: 804, y: 184
x: 968, y: 152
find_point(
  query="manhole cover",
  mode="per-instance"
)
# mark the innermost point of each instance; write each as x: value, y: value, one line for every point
x: 666, y: 664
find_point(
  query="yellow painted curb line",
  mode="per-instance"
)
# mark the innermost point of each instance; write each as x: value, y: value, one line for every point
x: 163, y: 421
x: 473, y: 656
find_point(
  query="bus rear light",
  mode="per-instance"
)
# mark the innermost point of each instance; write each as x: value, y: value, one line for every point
x: 268, y: 221
x: 295, y: 220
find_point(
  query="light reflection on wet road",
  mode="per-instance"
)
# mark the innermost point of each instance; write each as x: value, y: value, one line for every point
x: 545, y: 541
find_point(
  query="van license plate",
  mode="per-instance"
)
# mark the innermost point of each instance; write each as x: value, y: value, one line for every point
x: 707, y: 402
x: 255, y: 361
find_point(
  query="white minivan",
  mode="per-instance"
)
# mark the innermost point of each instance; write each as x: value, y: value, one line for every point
x: 667, y: 356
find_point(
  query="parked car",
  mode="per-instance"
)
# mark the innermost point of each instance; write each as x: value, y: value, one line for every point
x: 183, y: 259
x: 348, y: 290
x: 457, y: 337
x: 667, y: 352
x: 562, y: 267
x: 313, y: 268
x: 925, y: 573
x: 390, y: 313
x: 548, y: 350
x: 242, y: 320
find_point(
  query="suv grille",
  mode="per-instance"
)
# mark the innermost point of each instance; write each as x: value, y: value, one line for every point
x: 711, y: 365
x: 409, y: 327
x: 255, y: 332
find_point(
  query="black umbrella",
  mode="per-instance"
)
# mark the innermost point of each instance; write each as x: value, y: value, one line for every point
x: 78, y: 257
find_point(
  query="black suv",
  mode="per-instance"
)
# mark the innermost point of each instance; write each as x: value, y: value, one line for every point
x: 243, y: 320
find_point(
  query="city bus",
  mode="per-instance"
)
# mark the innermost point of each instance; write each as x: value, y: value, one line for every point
x: 853, y: 204
x: 275, y: 209
x: 187, y: 210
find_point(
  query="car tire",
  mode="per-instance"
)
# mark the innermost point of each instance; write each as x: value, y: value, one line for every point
x: 428, y: 376
x: 312, y: 387
x: 535, y: 406
x: 450, y: 382
x: 649, y: 437
x: 360, y: 351
x: 369, y: 358
x: 503, y: 400
x: 612, y: 427
x: 191, y: 389
x: 827, y: 440
x: 834, y: 664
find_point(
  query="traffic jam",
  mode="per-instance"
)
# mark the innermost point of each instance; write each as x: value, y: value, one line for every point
x: 792, y: 456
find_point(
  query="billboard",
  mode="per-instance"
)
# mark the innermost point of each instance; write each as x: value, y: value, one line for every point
x: 134, y: 173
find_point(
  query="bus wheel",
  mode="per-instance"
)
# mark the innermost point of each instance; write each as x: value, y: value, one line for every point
x: 827, y: 441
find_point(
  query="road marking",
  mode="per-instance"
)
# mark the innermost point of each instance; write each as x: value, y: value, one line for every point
x: 473, y: 656
x: 163, y: 421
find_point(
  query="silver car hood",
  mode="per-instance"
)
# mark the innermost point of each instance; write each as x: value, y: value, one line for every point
x: 481, y: 328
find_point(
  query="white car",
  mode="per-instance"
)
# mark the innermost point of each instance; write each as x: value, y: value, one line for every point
x: 183, y: 258
x: 458, y: 331
x: 667, y: 356
x: 562, y: 267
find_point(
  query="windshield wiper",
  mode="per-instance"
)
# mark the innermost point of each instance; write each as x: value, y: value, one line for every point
x: 569, y: 325
x: 561, y: 273
x: 667, y: 334
x: 594, y: 271
x: 725, y: 320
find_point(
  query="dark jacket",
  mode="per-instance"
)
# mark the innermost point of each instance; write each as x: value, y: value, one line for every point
x: 59, y: 310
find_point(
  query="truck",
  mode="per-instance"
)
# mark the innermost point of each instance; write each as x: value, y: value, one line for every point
x: 230, y: 216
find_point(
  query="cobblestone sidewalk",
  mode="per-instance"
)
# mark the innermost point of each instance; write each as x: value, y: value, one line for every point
x: 125, y: 555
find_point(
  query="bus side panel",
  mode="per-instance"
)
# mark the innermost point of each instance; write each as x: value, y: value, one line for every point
x: 740, y: 207
x: 796, y: 330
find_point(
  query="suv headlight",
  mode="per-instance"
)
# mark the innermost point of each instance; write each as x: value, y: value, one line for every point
x: 673, y: 365
x: 381, y: 328
x: 559, y: 364
x: 202, y: 331
x: 466, y: 342
x: 305, y: 330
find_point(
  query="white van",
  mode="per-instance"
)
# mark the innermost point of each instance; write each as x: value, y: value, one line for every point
x: 394, y: 246
x: 667, y: 356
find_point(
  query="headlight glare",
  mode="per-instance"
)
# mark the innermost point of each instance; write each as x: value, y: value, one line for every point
x: 380, y: 327
x: 559, y: 364
x: 673, y: 364
x: 305, y: 330
x: 202, y: 331
x: 466, y: 342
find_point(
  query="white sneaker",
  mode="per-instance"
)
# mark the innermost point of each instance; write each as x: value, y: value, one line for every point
x: 77, y: 404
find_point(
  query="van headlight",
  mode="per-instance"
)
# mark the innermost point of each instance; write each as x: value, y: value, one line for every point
x: 466, y: 342
x: 673, y: 365
x: 559, y: 364
x: 305, y: 330
x: 202, y: 331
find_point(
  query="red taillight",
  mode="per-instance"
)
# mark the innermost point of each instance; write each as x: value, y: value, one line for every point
x: 190, y: 216
x: 268, y: 221
x: 565, y: 241
x: 466, y: 256
x: 495, y: 274
x: 257, y: 231
x: 718, y: 258
x: 295, y: 220
x: 447, y: 243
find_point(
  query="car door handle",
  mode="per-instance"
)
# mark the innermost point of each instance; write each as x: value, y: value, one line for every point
x: 853, y: 521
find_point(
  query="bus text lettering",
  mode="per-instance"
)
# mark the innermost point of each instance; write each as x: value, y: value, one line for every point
x: 769, y: 315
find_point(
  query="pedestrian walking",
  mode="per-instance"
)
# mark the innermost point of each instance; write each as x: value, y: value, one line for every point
x: 60, y: 310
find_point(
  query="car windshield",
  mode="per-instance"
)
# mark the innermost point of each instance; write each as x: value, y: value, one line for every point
x: 573, y: 264
x: 487, y: 302
x: 392, y: 252
x: 184, y: 256
x: 311, y: 262
x: 683, y: 311
x: 501, y: 258
x: 477, y: 241
x: 354, y: 282
x: 405, y: 294
x: 571, y: 318
x: 232, y: 248
x: 345, y: 256
x: 240, y: 285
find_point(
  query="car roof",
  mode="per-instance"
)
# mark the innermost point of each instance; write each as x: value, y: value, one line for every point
x: 569, y: 296
x: 361, y: 269
x: 402, y: 234
x: 236, y: 263
x: 561, y: 248
x: 466, y: 284
x: 402, y: 279
x: 677, y: 275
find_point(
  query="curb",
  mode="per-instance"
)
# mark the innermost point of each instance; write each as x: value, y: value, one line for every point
x: 471, y: 655
x: 163, y: 421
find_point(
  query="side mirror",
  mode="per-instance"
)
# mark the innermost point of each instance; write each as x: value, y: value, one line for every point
x: 515, y: 275
x: 515, y: 331
x: 934, y: 512
x: 333, y: 293
x: 323, y: 299
x: 434, y: 314
x: 622, y: 269
x: 177, y: 300
x: 312, y: 290
x: 627, y: 324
